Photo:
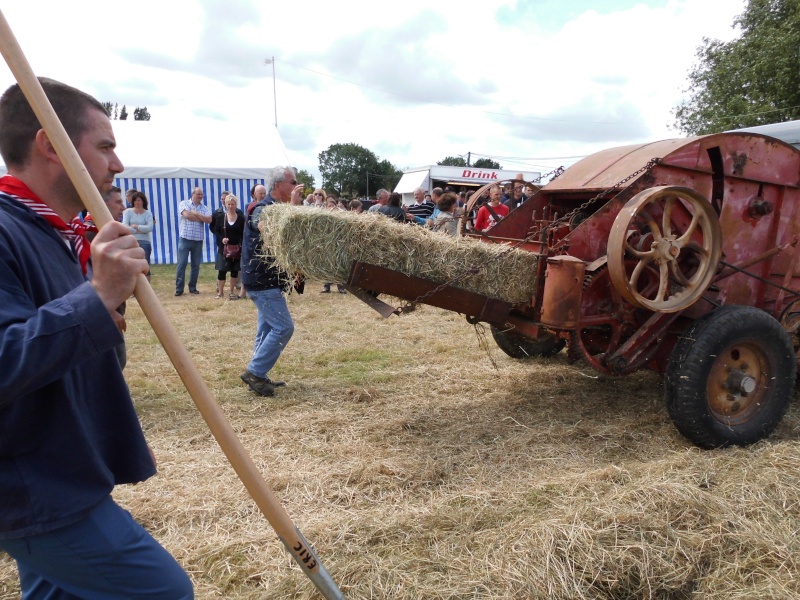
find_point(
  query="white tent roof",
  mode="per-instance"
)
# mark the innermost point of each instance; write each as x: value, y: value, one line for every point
x: 411, y: 180
x: 169, y: 149
x: 201, y: 147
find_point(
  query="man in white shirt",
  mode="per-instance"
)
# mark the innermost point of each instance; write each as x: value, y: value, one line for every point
x: 194, y: 216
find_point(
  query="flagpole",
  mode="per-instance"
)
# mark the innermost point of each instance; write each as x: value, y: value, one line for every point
x: 271, y: 61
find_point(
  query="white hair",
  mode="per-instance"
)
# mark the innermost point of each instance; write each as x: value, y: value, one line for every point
x: 276, y: 175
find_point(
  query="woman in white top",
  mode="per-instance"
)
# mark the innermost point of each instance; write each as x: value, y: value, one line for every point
x: 140, y: 220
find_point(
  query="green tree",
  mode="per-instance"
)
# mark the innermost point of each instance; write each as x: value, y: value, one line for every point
x: 486, y: 163
x: 385, y: 177
x: 111, y: 110
x: 346, y: 167
x: 453, y: 161
x: 752, y: 80
x: 306, y: 179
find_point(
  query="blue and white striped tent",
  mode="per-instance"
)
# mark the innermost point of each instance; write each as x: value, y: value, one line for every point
x: 224, y: 155
x: 218, y: 155
x: 165, y: 188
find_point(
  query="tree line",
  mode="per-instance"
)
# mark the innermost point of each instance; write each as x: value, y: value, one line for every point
x: 754, y: 79
x: 115, y: 113
x: 354, y: 171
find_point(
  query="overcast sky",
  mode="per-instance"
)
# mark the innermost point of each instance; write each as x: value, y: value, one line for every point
x: 531, y: 83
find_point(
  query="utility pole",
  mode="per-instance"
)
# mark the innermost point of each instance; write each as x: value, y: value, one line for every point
x: 469, y: 154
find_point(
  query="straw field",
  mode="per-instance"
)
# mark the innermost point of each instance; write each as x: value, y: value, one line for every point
x: 423, y: 464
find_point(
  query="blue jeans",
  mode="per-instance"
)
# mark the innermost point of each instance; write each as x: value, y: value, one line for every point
x: 275, y: 329
x: 186, y: 247
x: 106, y: 555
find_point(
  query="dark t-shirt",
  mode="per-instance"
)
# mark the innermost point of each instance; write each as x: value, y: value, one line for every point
x: 393, y: 212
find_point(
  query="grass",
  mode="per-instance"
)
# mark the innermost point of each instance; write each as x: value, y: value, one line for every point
x: 421, y: 463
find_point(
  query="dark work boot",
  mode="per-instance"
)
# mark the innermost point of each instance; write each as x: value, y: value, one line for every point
x: 259, y: 385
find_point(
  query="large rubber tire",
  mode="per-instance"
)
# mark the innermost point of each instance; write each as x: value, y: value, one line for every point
x: 705, y: 406
x: 520, y: 346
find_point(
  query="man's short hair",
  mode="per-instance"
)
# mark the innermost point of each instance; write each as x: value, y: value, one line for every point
x: 19, y: 124
x: 276, y: 175
x: 113, y: 189
x: 437, y: 191
x: 381, y: 192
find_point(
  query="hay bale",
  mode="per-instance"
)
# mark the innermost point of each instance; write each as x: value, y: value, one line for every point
x: 322, y: 244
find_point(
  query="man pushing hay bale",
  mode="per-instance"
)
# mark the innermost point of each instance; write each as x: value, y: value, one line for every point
x: 323, y: 245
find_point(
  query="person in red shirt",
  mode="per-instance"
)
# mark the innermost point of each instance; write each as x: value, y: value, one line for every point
x: 491, y: 212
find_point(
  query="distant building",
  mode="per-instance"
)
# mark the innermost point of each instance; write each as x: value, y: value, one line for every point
x: 459, y: 178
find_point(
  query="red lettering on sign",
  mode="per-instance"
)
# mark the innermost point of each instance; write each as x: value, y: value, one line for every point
x: 466, y: 173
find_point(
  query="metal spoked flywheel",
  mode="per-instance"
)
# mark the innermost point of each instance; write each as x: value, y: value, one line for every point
x: 673, y: 230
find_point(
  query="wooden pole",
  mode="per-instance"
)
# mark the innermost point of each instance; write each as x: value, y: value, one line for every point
x: 266, y: 500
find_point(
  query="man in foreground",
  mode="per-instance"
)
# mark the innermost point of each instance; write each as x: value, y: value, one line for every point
x: 265, y: 284
x: 68, y: 430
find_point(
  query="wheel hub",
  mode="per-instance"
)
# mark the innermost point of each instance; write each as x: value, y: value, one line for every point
x: 737, y: 383
x: 666, y: 249
x: 740, y: 383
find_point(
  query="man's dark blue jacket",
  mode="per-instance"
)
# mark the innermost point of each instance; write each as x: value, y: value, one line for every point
x: 68, y: 429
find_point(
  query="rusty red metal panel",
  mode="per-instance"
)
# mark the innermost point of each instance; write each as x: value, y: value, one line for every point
x: 384, y: 281
x: 517, y: 225
x: 563, y: 284
x: 755, y: 157
x: 605, y: 168
x: 752, y: 183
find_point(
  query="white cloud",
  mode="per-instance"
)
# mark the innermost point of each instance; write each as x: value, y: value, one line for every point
x: 525, y: 79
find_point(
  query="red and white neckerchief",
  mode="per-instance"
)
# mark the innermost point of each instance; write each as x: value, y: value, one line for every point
x: 74, y: 233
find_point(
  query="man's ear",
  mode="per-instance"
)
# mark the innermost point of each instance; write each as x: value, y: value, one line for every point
x: 44, y: 147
